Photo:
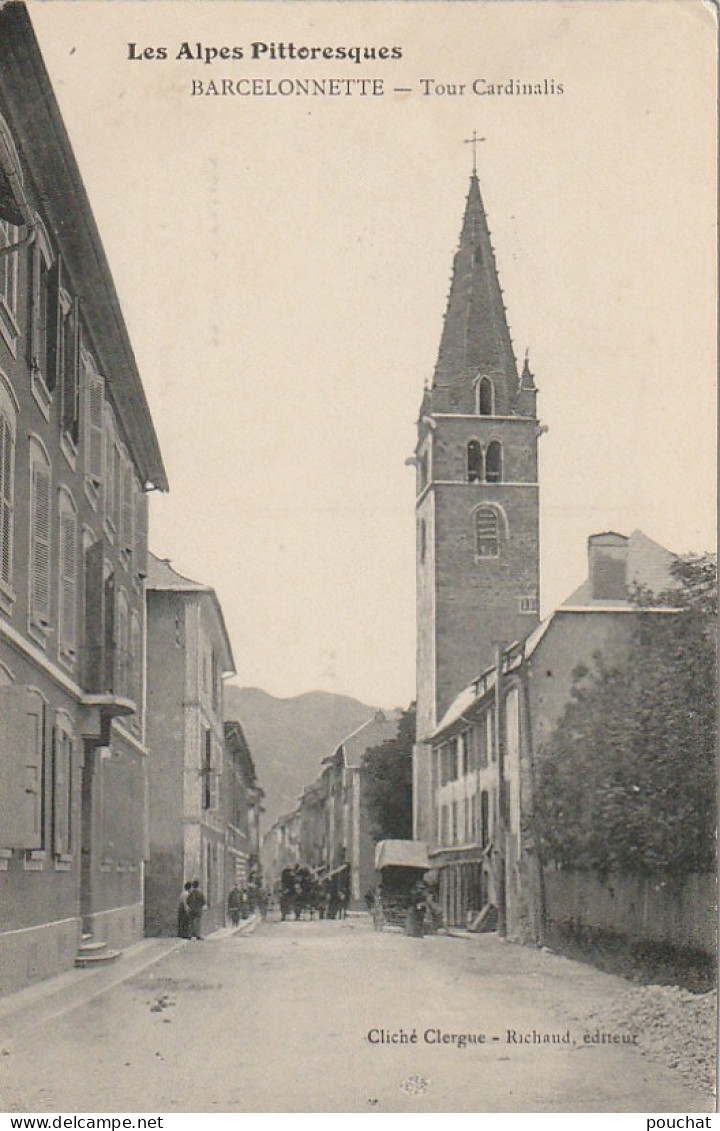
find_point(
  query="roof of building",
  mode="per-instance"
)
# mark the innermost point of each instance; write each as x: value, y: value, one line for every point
x: 381, y: 727
x: 648, y: 566
x: 161, y: 577
x: 47, y: 156
x: 237, y: 743
x: 647, y: 562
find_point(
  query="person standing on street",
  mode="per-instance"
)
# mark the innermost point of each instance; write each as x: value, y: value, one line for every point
x: 195, y: 905
x: 235, y: 905
x: 182, y: 912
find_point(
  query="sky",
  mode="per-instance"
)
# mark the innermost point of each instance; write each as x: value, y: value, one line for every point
x: 283, y: 264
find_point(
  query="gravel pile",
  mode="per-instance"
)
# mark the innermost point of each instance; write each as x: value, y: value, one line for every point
x: 673, y: 1025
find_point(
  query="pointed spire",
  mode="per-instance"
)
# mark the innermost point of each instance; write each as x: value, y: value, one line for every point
x: 476, y: 338
x: 527, y: 380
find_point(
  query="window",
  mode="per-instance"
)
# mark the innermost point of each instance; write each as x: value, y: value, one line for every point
x: 67, y: 579
x: 110, y: 494
x: 207, y: 770
x: 493, y: 463
x: 9, y: 269
x: 122, y: 645
x: 528, y: 604
x: 136, y: 658
x: 69, y: 369
x: 140, y: 532
x: 11, y: 217
x: 484, y: 819
x: 22, y: 739
x: 62, y: 790
x: 474, y: 462
x: 487, y: 533
x: 127, y: 514
x: 7, y: 486
x: 422, y: 539
x: 423, y: 472
x: 486, y: 397
x: 43, y: 296
x: 462, y: 747
x: 94, y: 427
x: 40, y: 518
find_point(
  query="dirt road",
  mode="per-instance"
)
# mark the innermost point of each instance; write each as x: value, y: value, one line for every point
x: 333, y: 1017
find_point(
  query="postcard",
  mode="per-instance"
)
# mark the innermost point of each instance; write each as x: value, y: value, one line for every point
x: 357, y: 508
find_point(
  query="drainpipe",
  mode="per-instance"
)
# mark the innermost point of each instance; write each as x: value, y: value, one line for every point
x: 538, y: 887
x: 501, y: 809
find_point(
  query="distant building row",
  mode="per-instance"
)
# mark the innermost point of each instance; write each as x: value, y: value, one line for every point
x: 329, y: 830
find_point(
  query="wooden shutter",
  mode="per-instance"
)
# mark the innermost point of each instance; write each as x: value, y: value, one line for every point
x: 109, y: 673
x: 70, y: 374
x: 94, y: 619
x: 33, y: 304
x: 95, y: 433
x: 40, y: 560
x: 52, y: 362
x: 7, y: 470
x: 62, y: 790
x: 21, y: 768
x: 141, y: 528
x: 136, y: 659
x: 127, y: 507
x: 68, y: 582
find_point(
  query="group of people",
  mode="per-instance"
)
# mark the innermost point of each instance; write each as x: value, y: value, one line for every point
x: 190, y: 909
x: 242, y: 903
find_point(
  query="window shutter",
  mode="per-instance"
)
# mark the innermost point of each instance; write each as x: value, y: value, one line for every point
x: 68, y: 582
x: 52, y: 362
x: 141, y: 531
x: 136, y: 663
x: 127, y: 507
x: 62, y: 790
x: 70, y: 374
x: 40, y: 563
x: 33, y: 304
x: 110, y: 473
x: 93, y: 619
x: 21, y: 740
x: 7, y: 468
x: 95, y: 434
x: 110, y: 671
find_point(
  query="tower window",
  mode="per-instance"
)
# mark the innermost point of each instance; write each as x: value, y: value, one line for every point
x: 487, y: 533
x: 493, y: 463
x: 423, y: 472
x: 486, y: 397
x: 422, y: 539
x: 474, y: 462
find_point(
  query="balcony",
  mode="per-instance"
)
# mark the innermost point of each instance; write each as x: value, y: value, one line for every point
x: 111, y: 688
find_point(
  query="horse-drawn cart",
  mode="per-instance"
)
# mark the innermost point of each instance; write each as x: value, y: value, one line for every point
x: 400, y: 895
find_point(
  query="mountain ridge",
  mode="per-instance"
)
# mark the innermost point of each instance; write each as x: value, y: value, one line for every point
x: 289, y: 737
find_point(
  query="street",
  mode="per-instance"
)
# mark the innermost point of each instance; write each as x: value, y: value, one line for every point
x: 319, y: 1016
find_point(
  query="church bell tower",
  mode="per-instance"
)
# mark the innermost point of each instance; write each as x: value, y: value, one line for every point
x: 477, y: 554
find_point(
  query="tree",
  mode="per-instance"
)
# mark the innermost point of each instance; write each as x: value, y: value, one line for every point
x: 627, y: 781
x: 387, y: 774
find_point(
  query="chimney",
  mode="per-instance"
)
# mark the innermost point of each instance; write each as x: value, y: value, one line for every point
x: 607, y: 562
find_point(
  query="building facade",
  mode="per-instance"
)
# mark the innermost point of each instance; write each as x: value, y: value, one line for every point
x: 188, y: 657
x: 485, y: 750
x: 78, y: 454
x: 243, y: 808
x: 329, y: 832
x: 477, y: 556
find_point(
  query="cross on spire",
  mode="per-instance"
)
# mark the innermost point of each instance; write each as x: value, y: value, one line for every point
x: 473, y: 141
